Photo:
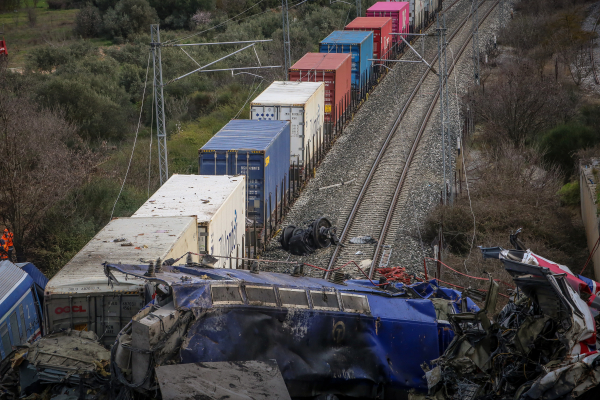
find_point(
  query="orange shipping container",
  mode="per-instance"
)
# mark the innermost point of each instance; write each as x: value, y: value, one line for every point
x: 335, y: 70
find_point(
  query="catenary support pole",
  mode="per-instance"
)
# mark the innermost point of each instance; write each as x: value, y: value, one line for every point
x: 159, y: 105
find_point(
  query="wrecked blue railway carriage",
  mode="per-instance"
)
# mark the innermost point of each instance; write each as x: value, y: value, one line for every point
x: 349, y: 339
x: 20, y: 311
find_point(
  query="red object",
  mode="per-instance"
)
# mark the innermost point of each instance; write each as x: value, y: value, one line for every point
x: 399, y: 11
x: 381, y: 28
x: 395, y: 274
x: 335, y: 69
x: 3, y: 49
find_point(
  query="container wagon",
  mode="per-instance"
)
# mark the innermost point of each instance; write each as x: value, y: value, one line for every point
x: 79, y: 296
x: 335, y: 70
x: 20, y: 312
x: 260, y: 151
x: 360, y: 46
x: 301, y: 103
x: 382, y: 34
x: 399, y: 12
x: 218, y: 204
x: 417, y: 15
x: 432, y: 8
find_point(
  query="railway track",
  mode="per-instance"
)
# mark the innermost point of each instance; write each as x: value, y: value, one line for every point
x: 373, y: 209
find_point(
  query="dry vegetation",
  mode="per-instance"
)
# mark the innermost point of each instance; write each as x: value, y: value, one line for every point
x: 531, y: 119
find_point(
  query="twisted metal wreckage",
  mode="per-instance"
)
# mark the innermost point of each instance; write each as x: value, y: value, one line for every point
x: 542, y: 345
x: 212, y: 333
x: 354, y: 338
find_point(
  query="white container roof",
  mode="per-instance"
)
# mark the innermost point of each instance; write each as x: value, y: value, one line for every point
x: 190, y: 195
x: 150, y: 238
x: 287, y: 93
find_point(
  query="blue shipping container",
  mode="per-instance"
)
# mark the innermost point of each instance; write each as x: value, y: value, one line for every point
x: 258, y: 149
x: 359, y: 44
x: 20, y: 315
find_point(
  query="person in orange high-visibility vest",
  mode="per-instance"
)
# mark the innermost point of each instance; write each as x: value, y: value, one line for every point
x: 8, y: 238
x: 3, y: 249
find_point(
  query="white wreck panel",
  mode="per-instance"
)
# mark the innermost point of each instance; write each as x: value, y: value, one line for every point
x: 217, y: 201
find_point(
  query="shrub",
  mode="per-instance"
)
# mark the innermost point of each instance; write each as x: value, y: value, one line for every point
x: 88, y: 22
x: 569, y: 194
x: 128, y: 17
x: 562, y: 142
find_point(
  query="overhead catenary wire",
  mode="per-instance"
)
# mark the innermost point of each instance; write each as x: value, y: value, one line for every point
x: 137, y: 131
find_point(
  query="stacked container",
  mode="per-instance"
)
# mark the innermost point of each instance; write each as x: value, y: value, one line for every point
x: 260, y: 151
x: 382, y: 33
x: 399, y: 12
x: 301, y: 103
x: 218, y: 203
x: 359, y: 45
x: 79, y: 295
x: 335, y: 70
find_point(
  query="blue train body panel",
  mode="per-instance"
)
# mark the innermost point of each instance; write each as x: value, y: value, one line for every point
x: 359, y: 44
x: 20, y: 315
x: 260, y: 149
x: 352, y: 339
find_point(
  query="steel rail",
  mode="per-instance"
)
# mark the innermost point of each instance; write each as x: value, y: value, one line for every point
x: 413, y: 150
x: 383, y: 149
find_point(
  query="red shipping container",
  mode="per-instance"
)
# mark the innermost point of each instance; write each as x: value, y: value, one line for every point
x: 335, y: 69
x: 399, y: 11
x: 381, y: 28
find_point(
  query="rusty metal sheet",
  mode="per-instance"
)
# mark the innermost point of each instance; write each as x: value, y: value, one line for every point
x: 255, y: 380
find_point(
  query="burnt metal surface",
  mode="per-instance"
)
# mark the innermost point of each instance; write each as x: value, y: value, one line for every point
x: 258, y: 380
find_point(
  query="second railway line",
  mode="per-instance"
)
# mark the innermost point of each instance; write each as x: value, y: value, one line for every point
x: 373, y: 124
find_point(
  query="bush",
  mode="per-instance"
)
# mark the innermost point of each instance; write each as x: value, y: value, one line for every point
x: 569, y: 194
x: 88, y: 22
x: 62, y: 4
x: 562, y: 142
x: 128, y: 17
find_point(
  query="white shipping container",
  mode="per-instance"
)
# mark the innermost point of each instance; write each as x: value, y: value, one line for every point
x: 219, y: 204
x: 301, y: 103
x: 417, y: 14
x: 79, y: 295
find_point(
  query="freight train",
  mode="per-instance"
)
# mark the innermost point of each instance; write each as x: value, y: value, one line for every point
x: 248, y: 174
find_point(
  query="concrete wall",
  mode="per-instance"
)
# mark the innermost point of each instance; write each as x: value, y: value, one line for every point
x: 589, y: 209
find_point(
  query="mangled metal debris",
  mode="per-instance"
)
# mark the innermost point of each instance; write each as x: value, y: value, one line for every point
x: 319, y: 234
x: 346, y: 339
x: 542, y: 345
x: 255, y: 380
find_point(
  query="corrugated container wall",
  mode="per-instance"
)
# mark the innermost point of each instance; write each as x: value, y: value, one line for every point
x: 381, y: 28
x: 217, y: 202
x: 301, y: 103
x: 399, y: 12
x: 258, y: 149
x: 359, y: 45
x: 335, y: 70
x: 417, y: 15
x: 79, y: 296
x: 20, y: 315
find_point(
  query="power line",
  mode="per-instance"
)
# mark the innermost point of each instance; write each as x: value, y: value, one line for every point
x: 135, y: 139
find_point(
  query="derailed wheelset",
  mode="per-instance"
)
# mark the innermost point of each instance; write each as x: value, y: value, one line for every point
x: 318, y: 235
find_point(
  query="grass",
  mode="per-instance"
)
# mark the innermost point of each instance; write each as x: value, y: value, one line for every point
x: 52, y: 27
